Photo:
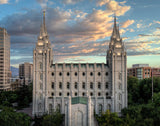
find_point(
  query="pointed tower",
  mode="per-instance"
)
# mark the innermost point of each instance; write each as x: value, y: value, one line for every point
x: 42, y: 60
x: 117, y: 63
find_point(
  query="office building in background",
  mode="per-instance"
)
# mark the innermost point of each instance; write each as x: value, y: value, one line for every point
x: 5, y: 73
x: 25, y: 73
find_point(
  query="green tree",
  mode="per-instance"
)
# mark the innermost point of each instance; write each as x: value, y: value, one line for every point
x: 53, y: 119
x: 109, y: 119
x: 133, y: 90
x: 8, y: 117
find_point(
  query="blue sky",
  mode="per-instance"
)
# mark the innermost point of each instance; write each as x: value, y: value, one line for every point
x: 80, y: 30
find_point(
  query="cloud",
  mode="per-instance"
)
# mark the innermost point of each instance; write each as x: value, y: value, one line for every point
x: 4, y: 1
x: 43, y: 3
x: 102, y: 2
x: 71, y: 1
x: 127, y: 23
x: 139, y: 25
x: 118, y: 8
x: 158, y: 22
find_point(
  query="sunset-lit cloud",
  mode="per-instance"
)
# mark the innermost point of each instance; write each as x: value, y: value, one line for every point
x: 127, y: 23
x: 4, y: 1
x: 80, y: 28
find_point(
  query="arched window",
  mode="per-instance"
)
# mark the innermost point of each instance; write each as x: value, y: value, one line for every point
x: 60, y: 74
x: 75, y: 94
x: 83, y: 94
x: 100, y: 108
x: 99, y: 85
x: 52, y: 85
x: 99, y: 74
x: 99, y: 94
x: 40, y: 65
x: 83, y: 85
x: 91, y: 94
x: 60, y: 85
x: 68, y: 85
x: 91, y: 85
x: 67, y: 73
x: 75, y: 85
x: 106, y: 85
x: 91, y: 73
x: 52, y: 73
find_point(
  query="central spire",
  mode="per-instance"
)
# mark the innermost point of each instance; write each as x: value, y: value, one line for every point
x: 115, y: 33
x: 43, y: 31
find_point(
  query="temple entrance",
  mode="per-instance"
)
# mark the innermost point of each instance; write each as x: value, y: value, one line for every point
x: 79, y: 118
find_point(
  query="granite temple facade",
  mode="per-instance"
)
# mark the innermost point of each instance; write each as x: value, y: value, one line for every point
x: 79, y: 89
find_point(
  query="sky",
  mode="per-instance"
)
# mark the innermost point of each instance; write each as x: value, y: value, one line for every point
x: 80, y: 30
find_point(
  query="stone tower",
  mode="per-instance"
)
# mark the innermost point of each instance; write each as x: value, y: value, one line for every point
x: 117, y: 63
x: 42, y: 60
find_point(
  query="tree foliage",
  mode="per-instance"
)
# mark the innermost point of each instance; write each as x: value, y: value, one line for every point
x: 8, y: 117
x: 141, y: 110
x: 53, y: 119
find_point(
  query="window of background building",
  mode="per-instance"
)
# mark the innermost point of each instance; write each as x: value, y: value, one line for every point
x: 75, y: 73
x: 52, y: 73
x: 75, y: 93
x: 91, y: 73
x: 83, y: 73
x: 60, y: 93
x: 52, y: 94
x: 99, y: 74
x: 91, y: 94
x: 67, y: 93
x: 106, y: 73
x: 83, y: 94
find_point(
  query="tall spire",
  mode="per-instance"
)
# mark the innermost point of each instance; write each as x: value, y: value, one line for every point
x: 43, y: 30
x: 44, y: 22
x: 115, y: 33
